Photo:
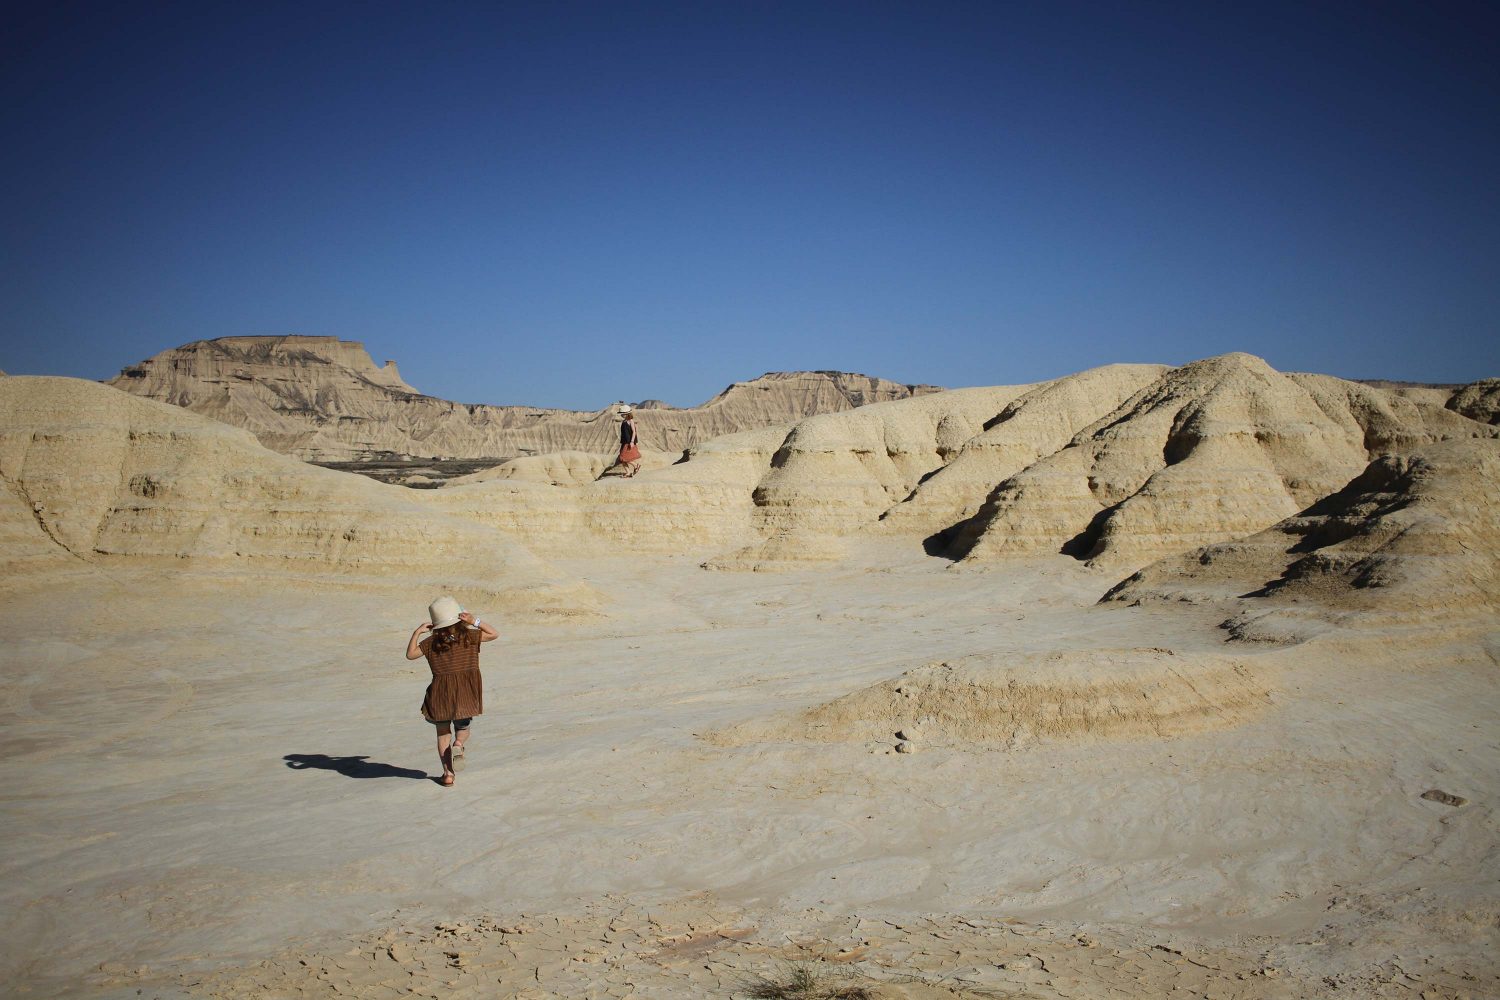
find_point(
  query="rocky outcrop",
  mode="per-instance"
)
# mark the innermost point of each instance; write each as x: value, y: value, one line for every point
x: 1478, y: 401
x: 96, y: 477
x: 1009, y: 701
x: 324, y: 400
x: 1211, y: 451
x: 1119, y: 465
x: 1416, y: 533
x: 1035, y: 424
x: 698, y: 506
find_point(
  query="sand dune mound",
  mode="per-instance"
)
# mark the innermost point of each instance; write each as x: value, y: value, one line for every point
x: 103, y: 477
x: 1008, y: 701
x: 324, y: 400
x: 1478, y: 401
x: 1214, y: 450
x: 1416, y: 533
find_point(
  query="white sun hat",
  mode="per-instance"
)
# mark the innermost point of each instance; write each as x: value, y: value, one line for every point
x: 444, y: 612
x: 625, y: 408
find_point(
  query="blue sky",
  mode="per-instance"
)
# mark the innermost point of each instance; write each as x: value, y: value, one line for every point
x: 568, y: 203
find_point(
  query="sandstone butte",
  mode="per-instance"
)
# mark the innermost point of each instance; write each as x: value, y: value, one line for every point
x: 324, y: 400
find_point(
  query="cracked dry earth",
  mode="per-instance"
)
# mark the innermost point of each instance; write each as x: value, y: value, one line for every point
x: 701, y: 948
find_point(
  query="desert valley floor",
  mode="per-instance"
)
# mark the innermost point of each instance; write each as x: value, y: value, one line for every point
x: 226, y: 791
x: 1141, y: 682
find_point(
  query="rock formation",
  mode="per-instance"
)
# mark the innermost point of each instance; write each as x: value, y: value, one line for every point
x: 1415, y: 534
x: 1120, y: 465
x: 324, y: 400
x: 1478, y: 401
x: 1214, y: 450
x: 1012, y: 700
x: 94, y: 477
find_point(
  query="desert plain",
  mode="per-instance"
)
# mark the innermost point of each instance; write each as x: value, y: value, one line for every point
x: 1146, y: 681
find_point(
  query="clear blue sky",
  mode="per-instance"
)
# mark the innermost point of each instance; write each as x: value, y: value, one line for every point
x: 568, y: 203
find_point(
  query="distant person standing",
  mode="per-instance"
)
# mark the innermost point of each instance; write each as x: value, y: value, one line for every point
x: 630, y: 450
x: 456, y: 693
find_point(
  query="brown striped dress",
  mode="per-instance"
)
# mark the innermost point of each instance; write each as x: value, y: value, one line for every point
x: 456, y: 691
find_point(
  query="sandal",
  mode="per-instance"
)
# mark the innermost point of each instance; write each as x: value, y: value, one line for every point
x: 447, y: 780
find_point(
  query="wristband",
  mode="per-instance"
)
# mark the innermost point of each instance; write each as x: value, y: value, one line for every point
x: 476, y: 622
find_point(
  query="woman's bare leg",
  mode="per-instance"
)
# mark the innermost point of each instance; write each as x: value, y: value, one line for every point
x: 445, y: 752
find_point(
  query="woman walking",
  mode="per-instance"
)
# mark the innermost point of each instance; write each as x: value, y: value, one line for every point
x: 630, y: 452
x: 456, y: 693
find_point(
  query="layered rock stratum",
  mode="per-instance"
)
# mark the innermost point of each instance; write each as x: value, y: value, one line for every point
x: 324, y: 400
x: 1117, y: 466
x: 94, y: 477
x: 1413, y: 535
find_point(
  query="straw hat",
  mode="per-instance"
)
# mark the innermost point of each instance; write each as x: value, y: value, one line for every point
x: 626, y: 408
x: 444, y: 612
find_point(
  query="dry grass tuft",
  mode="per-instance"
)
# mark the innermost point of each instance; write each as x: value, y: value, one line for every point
x: 807, y: 981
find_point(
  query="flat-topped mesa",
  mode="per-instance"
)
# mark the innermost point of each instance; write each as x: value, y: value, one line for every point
x: 820, y: 389
x: 325, y: 400
x: 246, y: 358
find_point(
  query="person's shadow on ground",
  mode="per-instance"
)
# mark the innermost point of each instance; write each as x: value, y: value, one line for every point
x: 350, y: 767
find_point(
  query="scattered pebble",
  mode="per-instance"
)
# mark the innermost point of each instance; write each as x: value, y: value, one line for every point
x: 1447, y: 799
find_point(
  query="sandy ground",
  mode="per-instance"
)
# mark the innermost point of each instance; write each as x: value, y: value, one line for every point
x: 222, y: 787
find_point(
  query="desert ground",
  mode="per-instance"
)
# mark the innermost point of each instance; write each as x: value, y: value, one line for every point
x: 792, y: 708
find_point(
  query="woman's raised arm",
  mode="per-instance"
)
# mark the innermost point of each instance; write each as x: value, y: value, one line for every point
x: 412, y: 652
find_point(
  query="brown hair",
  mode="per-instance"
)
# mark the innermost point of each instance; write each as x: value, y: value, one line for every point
x: 445, y: 638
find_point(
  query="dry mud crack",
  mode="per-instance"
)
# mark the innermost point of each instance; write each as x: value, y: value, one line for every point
x: 702, y: 948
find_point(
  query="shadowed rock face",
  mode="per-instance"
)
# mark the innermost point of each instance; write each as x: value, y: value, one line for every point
x: 324, y: 400
x: 1478, y: 401
x: 1213, y: 450
x: 1411, y: 533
